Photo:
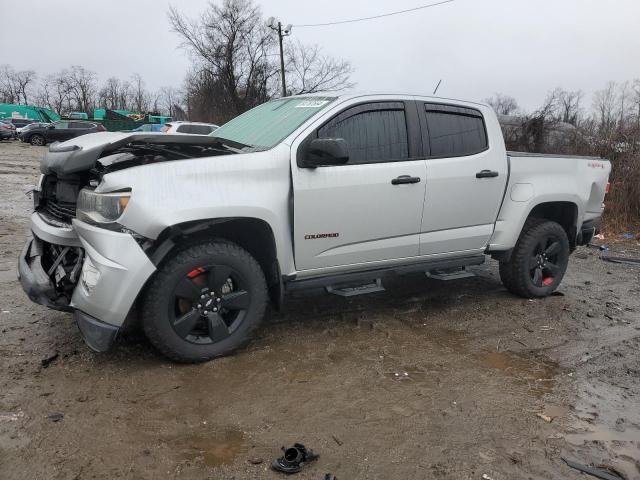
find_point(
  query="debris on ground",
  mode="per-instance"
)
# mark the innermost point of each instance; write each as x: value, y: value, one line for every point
x: 596, y: 472
x: 329, y: 476
x: 604, y: 248
x: 10, y: 417
x: 624, y: 260
x: 337, y: 440
x: 599, y: 236
x: 294, y: 458
x: 628, y: 235
x: 256, y: 460
x: 55, y: 417
x: 45, y: 362
x: 486, y: 477
x: 546, y: 418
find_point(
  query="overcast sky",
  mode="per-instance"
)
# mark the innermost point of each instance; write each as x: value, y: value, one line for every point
x: 477, y: 47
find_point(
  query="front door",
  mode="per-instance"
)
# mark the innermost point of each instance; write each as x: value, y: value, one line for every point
x: 369, y: 209
x: 60, y: 132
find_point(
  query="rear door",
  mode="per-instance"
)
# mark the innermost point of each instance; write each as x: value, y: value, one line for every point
x: 466, y: 179
x: 357, y: 213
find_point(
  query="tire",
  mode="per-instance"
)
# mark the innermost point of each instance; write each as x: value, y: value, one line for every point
x: 37, y: 140
x: 204, y: 302
x: 538, y: 261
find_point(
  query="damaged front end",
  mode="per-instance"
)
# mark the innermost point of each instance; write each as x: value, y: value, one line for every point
x: 49, y: 273
x: 75, y: 264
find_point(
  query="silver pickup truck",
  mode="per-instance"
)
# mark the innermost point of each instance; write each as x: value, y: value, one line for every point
x: 195, y: 236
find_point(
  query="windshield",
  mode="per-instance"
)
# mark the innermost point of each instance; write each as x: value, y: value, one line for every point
x: 268, y: 124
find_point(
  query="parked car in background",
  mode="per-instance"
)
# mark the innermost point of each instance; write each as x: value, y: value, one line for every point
x: 149, y: 127
x: 7, y: 130
x: 20, y: 123
x: 59, y: 131
x: 189, y: 128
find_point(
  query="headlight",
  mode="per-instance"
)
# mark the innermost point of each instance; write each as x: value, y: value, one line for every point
x: 101, y: 208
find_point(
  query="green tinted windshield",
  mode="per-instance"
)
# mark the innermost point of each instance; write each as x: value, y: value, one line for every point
x: 268, y: 124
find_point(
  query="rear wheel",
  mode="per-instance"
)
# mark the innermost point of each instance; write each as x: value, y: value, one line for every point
x: 539, y: 260
x: 37, y: 140
x: 205, y: 302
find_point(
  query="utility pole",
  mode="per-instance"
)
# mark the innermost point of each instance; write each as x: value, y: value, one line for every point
x: 276, y: 25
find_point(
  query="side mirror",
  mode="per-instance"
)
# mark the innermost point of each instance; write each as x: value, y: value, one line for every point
x: 326, y: 152
x: 51, y: 127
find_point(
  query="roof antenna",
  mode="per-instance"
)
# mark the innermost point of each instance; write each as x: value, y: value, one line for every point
x: 437, y: 86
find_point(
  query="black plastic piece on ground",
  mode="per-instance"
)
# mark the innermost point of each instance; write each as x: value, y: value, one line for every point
x: 294, y: 458
x: 596, y: 472
x: 624, y: 260
x: 97, y: 335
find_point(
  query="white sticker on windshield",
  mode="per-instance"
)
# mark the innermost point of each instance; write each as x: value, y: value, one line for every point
x: 312, y: 104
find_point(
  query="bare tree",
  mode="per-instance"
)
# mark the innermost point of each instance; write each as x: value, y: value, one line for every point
x: 15, y: 87
x: 236, y: 63
x: 82, y: 87
x: 567, y: 104
x: 604, y: 105
x: 503, y: 104
x: 309, y: 70
x: 168, y: 99
x: 140, y: 96
x: 230, y: 46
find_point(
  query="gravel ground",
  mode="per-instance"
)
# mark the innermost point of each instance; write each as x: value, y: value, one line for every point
x: 429, y: 379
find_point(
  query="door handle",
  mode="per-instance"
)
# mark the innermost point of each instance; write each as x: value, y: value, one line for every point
x: 403, y: 179
x: 487, y: 174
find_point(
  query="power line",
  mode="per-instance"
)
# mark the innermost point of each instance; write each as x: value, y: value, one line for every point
x: 353, y: 20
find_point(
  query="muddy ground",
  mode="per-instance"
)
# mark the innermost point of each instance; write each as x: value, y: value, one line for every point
x: 430, y: 379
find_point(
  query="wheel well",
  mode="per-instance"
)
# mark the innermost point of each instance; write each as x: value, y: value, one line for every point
x: 252, y: 234
x: 564, y: 213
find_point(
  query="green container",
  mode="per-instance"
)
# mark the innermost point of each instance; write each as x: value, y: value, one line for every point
x: 31, y: 112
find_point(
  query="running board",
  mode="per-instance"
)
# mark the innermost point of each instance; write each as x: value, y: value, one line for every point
x: 367, y: 276
x: 353, y: 290
x: 450, y: 274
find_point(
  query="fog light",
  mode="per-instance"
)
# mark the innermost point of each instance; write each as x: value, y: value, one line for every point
x: 90, y: 275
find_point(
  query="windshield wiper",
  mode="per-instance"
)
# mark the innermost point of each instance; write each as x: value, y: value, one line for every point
x: 232, y: 144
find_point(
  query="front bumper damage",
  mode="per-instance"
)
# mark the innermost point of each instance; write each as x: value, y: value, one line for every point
x: 105, y: 281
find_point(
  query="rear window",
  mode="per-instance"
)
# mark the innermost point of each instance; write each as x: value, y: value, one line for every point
x: 455, y: 131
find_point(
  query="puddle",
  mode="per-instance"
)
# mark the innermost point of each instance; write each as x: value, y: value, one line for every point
x: 605, y: 435
x: 537, y: 374
x: 450, y: 340
x: 215, y: 449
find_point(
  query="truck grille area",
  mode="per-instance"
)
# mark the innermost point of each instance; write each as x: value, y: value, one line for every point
x: 64, y: 211
x: 58, y: 197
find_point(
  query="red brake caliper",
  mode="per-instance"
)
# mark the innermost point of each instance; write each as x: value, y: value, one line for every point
x: 547, y: 281
x: 194, y: 273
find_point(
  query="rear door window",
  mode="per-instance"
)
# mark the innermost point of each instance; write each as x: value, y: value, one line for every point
x: 455, y: 131
x: 201, y: 129
x: 184, y: 129
x: 375, y: 132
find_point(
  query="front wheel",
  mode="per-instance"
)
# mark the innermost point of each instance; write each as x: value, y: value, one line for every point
x: 538, y: 261
x: 204, y: 302
x: 37, y: 140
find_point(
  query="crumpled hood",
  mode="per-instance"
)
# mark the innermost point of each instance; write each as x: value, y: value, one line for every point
x: 82, y: 153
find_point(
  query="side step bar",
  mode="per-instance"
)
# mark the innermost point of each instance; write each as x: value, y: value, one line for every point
x: 356, y: 289
x: 454, y: 274
x: 368, y: 277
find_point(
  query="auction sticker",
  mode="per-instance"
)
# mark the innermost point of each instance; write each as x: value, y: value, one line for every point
x: 312, y: 104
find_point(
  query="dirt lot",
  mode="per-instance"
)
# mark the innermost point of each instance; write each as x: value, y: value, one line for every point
x: 426, y: 380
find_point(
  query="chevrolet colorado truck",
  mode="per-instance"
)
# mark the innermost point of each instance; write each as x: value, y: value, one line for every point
x: 194, y: 236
